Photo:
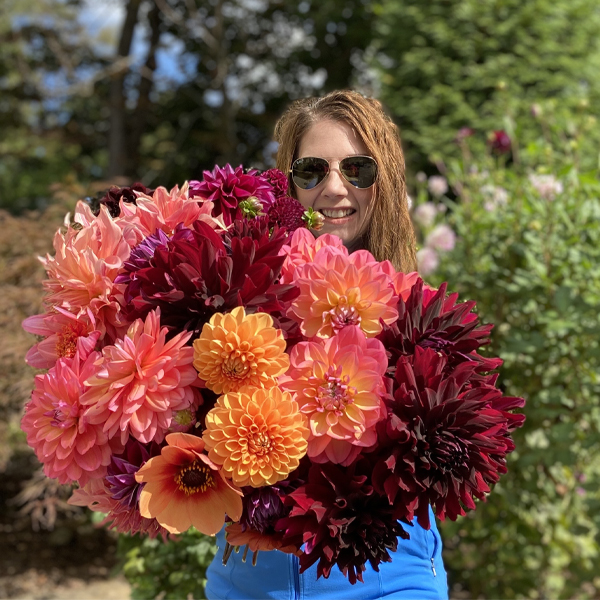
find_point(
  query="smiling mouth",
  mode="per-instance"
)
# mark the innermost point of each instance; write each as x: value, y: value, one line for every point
x: 338, y: 213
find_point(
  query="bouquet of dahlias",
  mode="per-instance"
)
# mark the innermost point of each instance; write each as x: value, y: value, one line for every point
x: 209, y: 362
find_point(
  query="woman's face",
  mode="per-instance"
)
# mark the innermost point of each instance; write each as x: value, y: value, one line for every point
x: 346, y: 208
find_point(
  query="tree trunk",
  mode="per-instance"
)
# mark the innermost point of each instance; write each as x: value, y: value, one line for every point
x: 117, y: 147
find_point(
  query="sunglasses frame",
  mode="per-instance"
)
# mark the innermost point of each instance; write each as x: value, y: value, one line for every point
x: 291, y: 171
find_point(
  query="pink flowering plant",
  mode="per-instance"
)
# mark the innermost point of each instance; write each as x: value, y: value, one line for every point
x: 212, y: 362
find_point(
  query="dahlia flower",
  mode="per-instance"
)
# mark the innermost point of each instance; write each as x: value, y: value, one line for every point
x: 429, y: 319
x: 236, y: 350
x: 70, y: 447
x: 278, y: 180
x: 61, y: 330
x: 427, y: 261
x: 336, y: 291
x: 500, y: 142
x: 286, y: 212
x: 444, y: 442
x: 184, y: 488
x: 226, y: 187
x: 236, y: 536
x: 340, y: 519
x: 200, y: 273
x: 165, y: 210
x: 113, y: 197
x: 302, y: 247
x: 122, y: 518
x: 337, y: 384
x: 87, y: 260
x: 139, y: 382
x: 257, y: 435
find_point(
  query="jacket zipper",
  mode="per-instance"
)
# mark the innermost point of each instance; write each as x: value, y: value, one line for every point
x: 296, y: 567
x: 435, y: 546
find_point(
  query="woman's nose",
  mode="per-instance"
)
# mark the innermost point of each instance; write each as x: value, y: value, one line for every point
x: 335, y: 184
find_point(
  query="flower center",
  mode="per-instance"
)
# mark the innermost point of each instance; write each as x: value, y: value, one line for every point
x: 343, y: 314
x: 448, y: 453
x: 194, y: 478
x: 62, y: 414
x: 260, y: 443
x: 66, y: 343
x: 335, y: 393
x: 237, y: 363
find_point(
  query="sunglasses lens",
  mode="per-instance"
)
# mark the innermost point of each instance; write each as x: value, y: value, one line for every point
x: 308, y: 172
x: 360, y: 171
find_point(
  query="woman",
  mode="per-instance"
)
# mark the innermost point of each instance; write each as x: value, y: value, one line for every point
x: 345, y: 160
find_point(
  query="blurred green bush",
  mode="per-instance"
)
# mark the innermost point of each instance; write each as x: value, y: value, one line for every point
x: 171, y: 571
x: 527, y: 249
x: 449, y: 64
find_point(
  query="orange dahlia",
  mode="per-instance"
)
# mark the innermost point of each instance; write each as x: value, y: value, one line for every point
x: 184, y: 488
x: 237, y: 350
x: 258, y: 435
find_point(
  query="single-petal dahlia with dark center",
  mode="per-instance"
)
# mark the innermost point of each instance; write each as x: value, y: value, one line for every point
x: 444, y: 441
x: 342, y: 520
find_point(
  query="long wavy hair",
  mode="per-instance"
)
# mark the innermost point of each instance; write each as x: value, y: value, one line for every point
x: 389, y: 234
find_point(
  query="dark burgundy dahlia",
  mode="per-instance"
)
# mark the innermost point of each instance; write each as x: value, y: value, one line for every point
x: 342, y: 520
x: 278, y: 180
x: 430, y: 319
x: 444, y: 441
x: 200, y: 272
x: 114, y: 195
x: 227, y: 187
x: 286, y: 212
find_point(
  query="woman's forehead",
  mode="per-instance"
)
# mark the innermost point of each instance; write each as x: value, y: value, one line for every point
x: 331, y: 140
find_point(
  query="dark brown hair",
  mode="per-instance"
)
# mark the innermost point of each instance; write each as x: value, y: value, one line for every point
x: 389, y: 233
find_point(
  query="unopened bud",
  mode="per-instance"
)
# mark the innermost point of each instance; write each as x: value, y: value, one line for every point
x: 313, y: 219
x: 251, y: 207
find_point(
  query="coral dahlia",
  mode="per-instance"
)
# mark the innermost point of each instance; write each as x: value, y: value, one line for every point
x: 184, y: 488
x: 338, y: 385
x: 258, y: 435
x: 70, y: 447
x: 140, y: 381
x: 337, y: 291
x: 236, y: 350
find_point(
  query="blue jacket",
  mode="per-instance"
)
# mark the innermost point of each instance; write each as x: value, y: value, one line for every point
x: 416, y: 572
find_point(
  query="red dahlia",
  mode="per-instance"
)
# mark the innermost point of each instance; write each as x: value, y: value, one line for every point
x: 341, y: 520
x: 444, y: 441
x: 278, y: 181
x: 198, y: 273
x: 286, y: 212
x: 429, y: 319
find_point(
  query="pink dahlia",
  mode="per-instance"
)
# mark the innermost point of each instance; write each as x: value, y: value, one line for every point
x: 337, y: 290
x: 302, y: 247
x: 70, y: 447
x: 338, y: 386
x: 140, y: 381
x: 165, y: 210
x: 61, y: 330
x: 87, y: 260
x: 227, y: 186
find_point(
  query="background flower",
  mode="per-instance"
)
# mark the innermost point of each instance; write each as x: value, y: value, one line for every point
x: 441, y: 238
x: 437, y: 185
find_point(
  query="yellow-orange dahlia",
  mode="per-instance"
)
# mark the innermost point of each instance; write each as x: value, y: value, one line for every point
x: 257, y: 435
x: 237, y: 350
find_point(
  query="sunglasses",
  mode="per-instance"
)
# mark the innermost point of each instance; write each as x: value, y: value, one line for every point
x: 311, y: 171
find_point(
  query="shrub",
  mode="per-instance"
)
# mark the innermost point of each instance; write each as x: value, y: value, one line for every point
x: 528, y: 251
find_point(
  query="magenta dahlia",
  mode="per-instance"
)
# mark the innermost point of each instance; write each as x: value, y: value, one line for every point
x: 340, y: 519
x: 227, y: 186
x: 278, y: 180
x: 444, y: 441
